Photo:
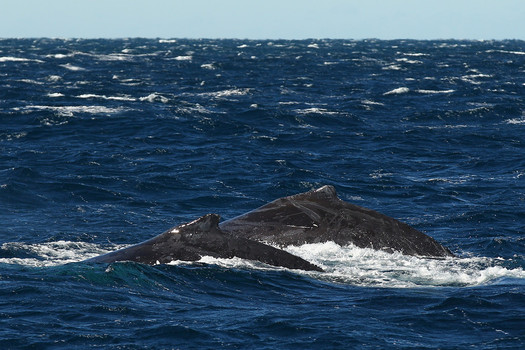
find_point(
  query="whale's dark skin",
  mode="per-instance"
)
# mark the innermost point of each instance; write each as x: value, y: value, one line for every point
x: 312, y: 217
x: 320, y: 216
x: 202, y: 237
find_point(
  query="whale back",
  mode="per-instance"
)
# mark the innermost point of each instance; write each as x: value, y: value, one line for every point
x: 202, y: 237
x: 320, y: 215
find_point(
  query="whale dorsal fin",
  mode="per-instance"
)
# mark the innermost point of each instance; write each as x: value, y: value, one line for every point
x: 208, y: 222
x: 323, y: 192
x: 327, y: 190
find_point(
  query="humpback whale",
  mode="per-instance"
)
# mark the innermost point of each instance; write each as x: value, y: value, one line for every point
x: 202, y: 237
x: 320, y: 215
x: 315, y: 216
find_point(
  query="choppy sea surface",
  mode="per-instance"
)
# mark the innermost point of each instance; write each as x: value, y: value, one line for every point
x: 106, y: 143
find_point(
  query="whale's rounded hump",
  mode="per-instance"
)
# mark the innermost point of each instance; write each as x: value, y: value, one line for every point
x: 319, y: 215
x: 326, y: 191
x: 206, y: 223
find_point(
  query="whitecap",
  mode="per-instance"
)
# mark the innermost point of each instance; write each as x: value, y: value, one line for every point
x: 115, y: 98
x: 516, y: 121
x: 342, y: 264
x: 58, y: 55
x: 30, y: 81
x: 228, y: 92
x: 454, y: 180
x: 11, y: 137
x: 421, y: 91
x: 445, y: 126
x: 183, y: 58
x: 504, y: 51
x: 71, y: 67
x: 472, y: 78
x: 114, y: 57
x: 18, y: 59
x: 406, y: 60
x: 415, y: 54
x: 54, y: 78
x: 167, y: 41
x: 193, y: 109
x: 369, y: 267
x: 210, y: 66
x: 315, y: 110
x: 55, y: 94
x: 69, y: 111
x: 477, y: 75
x: 154, y: 97
x: 392, y: 67
x: 54, y: 253
x: 372, y: 103
x: 313, y: 46
x: 400, y: 90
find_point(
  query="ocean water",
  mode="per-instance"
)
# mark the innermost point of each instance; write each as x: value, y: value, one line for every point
x: 106, y: 143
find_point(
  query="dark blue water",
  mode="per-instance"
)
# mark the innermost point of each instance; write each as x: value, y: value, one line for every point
x: 105, y: 143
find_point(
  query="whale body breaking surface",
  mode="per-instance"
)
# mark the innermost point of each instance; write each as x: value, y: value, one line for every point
x: 315, y: 216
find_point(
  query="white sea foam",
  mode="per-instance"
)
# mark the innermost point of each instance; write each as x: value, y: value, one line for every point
x: 372, y: 103
x: 415, y: 54
x: 315, y: 110
x: 287, y: 103
x: 210, y: 66
x: 193, y: 109
x: 504, y: 51
x: 368, y: 267
x: 392, y: 67
x: 71, y: 67
x: 183, y: 58
x: 54, y: 253
x: 114, y: 57
x: 477, y: 75
x: 232, y: 92
x: 445, y: 126
x: 59, y: 55
x: 227, y: 93
x: 406, y: 60
x: 516, y: 121
x: 104, y: 97
x: 31, y: 81
x: 400, y: 90
x: 54, y: 78
x: 69, y: 111
x: 349, y: 264
x: 13, y: 136
x: 154, y: 97
x: 472, y: 78
x: 421, y: 91
x: 18, y: 59
x: 55, y: 94
x: 450, y: 180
